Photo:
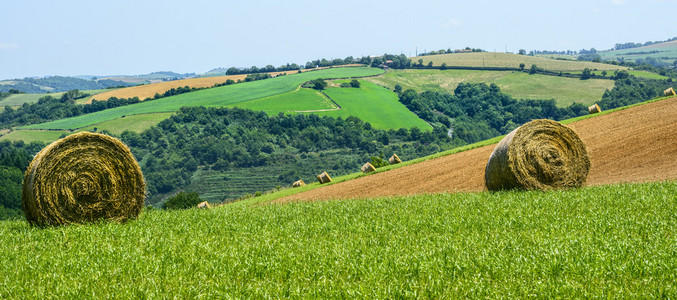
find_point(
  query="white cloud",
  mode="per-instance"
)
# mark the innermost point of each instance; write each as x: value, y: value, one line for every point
x: 618, y: 2
x: 451, y: 23
x: 8, y: 46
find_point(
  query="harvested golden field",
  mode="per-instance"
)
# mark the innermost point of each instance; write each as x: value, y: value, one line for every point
x: 509, y: 60
x: 633, y: 145
x: 149, y: 90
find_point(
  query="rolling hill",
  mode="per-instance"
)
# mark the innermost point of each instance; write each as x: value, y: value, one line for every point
x: 220, y: 96
x: 517, y: 84
x: 509, y: 60
x: 631, y: 145
x: 665, y: 52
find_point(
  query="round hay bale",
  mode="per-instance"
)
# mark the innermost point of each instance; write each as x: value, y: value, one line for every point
x: 368, y: 168
x: 541, y: 154
x: 83, y: 178
x: 394, y: 159
x: 298, y: 183
x: 594, y: 109
x: 323, y: 178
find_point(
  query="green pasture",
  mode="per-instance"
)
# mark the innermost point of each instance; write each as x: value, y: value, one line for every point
x: 520, y: 85
x: 299, y: 100
x: 509, y: 60
x: 666, y: 52
x: 374, y: 104
x: 136, y: 123
x: 43, y: 136
x: 220, y: 96
x: 636, y: 73
x: 598, y: 242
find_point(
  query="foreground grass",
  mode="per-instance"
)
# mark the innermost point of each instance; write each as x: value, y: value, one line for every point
x: 611, y: 241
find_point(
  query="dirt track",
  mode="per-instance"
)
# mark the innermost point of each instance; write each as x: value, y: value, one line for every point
x: 633, y: 145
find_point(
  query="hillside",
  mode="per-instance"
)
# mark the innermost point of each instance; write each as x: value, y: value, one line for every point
x: 149, y: 90
x: 517, y: 84
x: 661, y: 53
x: 57, y: 84
x: 631, y: 145
x: 509, y: 60
x: 214, y: 97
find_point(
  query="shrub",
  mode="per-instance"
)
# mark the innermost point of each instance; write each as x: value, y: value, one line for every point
x: 183, y: 200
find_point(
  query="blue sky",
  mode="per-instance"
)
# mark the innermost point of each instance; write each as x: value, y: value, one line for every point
x: 67, y: 38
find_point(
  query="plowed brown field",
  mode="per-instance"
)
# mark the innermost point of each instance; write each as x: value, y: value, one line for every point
x: 638, y: 144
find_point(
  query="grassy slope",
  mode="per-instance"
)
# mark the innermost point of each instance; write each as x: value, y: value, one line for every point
x: 517, y: 84
x: 610, y: 242
x: 507, y: 60
x: 43, y: 136
x: 666, y: 50
x: 299, y: 100
x: 375, y: 104
x: 211, y: 97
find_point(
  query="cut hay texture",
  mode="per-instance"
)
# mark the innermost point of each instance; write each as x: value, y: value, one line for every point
x: 298, y: 183
x: 539, y: 155
x: 394, y: 159
x: 323, y: 178
x: 83, y: 178
x: 204, y: 205
x: 594, y: 109
x: 368, y: 168
x: 669, y: 92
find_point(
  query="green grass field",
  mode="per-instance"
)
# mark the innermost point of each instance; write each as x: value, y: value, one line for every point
x: 607, y: 242
x: 136, y: 123
x: 520, y: 85
x: 508, y: 60
x: 299, y: 100
x: 221, y: 96
x: 20, y: 99
x: 43, y: 136
x: 374, y: 104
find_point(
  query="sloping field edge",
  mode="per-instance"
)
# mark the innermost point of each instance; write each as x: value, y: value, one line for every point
x: 291, y: 191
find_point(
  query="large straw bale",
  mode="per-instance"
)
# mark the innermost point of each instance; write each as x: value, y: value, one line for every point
x: 204, y: 205
x: 298, y: 183
x: 541, y: 154
x: 669, y: 92
x: 368, y: 168
x: 323, y: 178
x: 83, y: 178
x: 594, y: 109
x: 394, y: 159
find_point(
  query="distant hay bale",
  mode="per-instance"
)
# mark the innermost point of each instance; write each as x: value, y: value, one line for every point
x: 394, y: 159
x: 83, y: 178
x: 298, y: 183
x: 541, y: 154
x: 204, y: 205
x: 368, y: 168
x: 669, y: 92
x: 594, y: 109
x: 323, y: 178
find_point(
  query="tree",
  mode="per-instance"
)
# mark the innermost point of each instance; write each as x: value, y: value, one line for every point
x: 319, y: 84
x: 522, y: 52
x: 604, y: 73
x: 183, y: 200
x: 522, y: 67
x: 533, y: 69
x: 355, y: 83
x: 398, y: 88
x: 587, y: 73
x: 443, y: 66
